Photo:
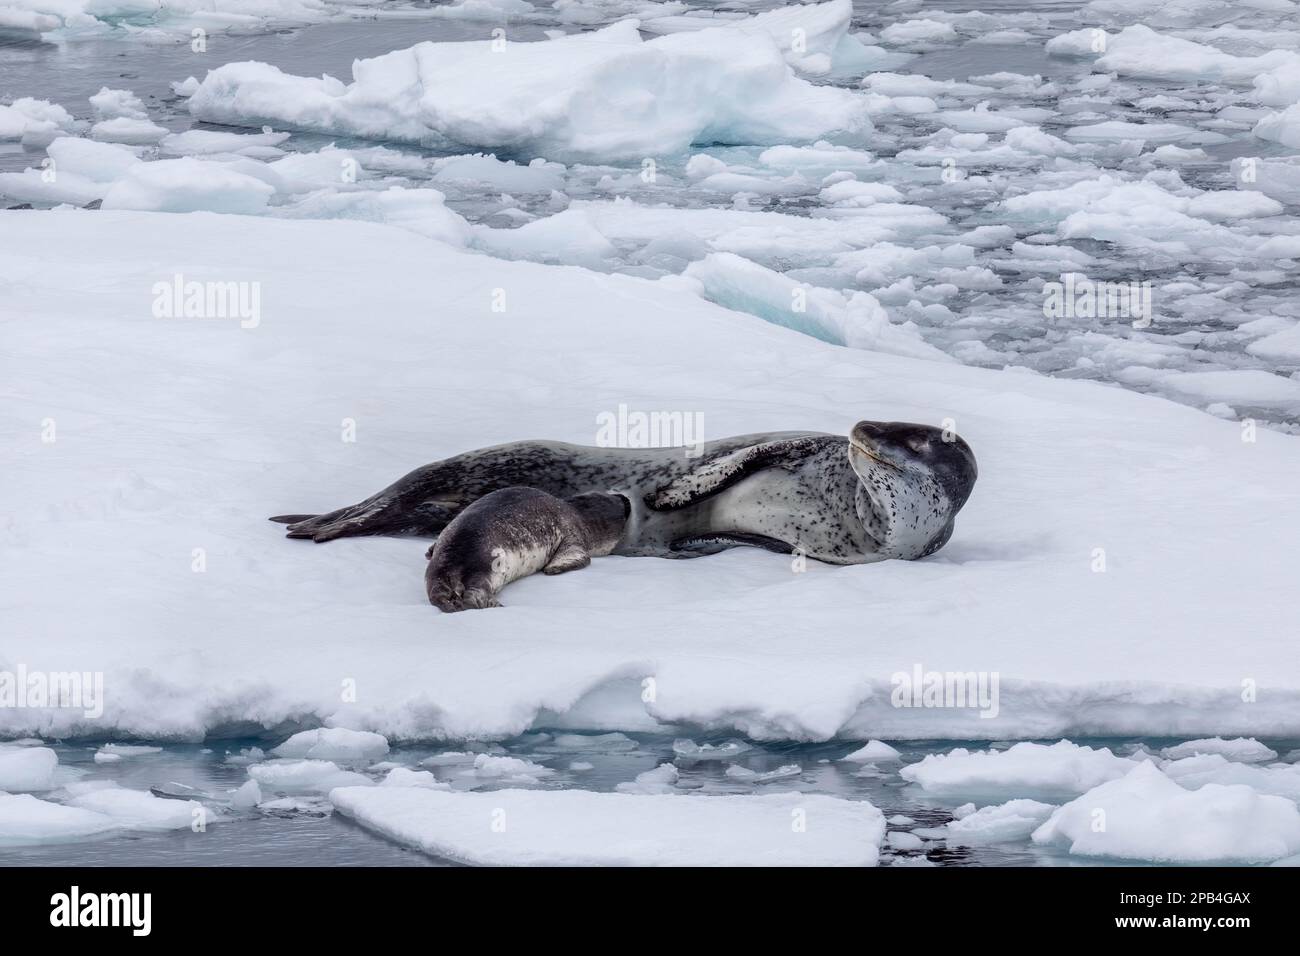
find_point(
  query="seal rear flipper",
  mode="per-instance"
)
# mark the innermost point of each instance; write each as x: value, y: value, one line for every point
x: 290, y: 519
x: 699, y: 545
x: 373, y: 516
x: 720, y: 473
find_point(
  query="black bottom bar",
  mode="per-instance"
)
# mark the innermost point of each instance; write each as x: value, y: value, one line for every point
x: 302, y: 906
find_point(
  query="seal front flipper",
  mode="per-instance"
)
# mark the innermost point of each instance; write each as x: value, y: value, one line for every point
x: 567, y: 559
x: 703, y: 544
x: 718, y: 474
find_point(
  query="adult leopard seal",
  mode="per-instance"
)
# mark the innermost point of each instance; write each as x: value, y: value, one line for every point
x: 891, y: 490
x: 513, y: 533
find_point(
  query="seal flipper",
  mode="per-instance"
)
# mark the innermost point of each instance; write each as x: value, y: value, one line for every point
x: 722, y: 472
x: 378, y: 515
x: 567, y: 559
x: 290, y: 519
x: 423, y: 501
x: 703, y: 544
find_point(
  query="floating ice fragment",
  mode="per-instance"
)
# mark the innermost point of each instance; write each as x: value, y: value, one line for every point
x: 1060, y: 768
x: 404, y: 777
x: 25, y: 820
x: 187, y: 185
x: 724, y: 751
x: 110, y: 104
x: 128, y: 750
x: 334, y: 743
x: 124, y: 129
x: 27, y: 768
x: 1242, y: 749
x: 658, y: 780
x: 138, y: 810
x: 309, y: 776
x: 1013, y: 820
x: 872, y: 752
x: 1150, y: 817
x: 902, y: 840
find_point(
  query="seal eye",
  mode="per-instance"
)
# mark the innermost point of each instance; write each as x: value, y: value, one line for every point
x: 918, y: 445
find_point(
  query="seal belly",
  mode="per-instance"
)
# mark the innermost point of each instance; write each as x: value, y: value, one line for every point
x: 512, y: 564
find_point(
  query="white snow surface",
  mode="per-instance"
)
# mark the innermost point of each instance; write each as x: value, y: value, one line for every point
x: 583, y: 828
x: 175, y: 438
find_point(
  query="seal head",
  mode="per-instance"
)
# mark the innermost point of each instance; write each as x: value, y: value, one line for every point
x: 514, y: 532
x: 913, y: 479
x: 604, y: 519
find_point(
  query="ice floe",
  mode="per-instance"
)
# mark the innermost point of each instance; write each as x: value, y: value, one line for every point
x: 514, y: 771
x: 1002, y: 823
x: 333, y: 743
x: 1146, y: 816
x: 185, y: 185
x: 27, y: 768
x: 875, y: 751
x: 1030, y: 532
x: 1062, y: 768
x: 745, y: 775
x: 582, y: 828
x: 304, y: 776
x: 1242, y: 749
x: 813, y: 37
x: 26, y: 820
x: 136, y: 809
x: 662, y: 779
x: 605, y: 95
x: 34, y: 122
x: 858, y: 322
x: 405, y: 777
x: 1193, y: 772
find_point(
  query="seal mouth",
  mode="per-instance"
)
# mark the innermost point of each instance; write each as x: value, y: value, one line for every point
x: 854, y: 443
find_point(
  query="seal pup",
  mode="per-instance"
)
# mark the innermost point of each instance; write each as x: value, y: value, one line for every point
x: 512, y: 533
x: 887, y: 490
